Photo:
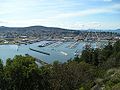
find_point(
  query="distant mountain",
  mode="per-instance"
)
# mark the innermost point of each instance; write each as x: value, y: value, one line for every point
x: 117, y: 31
x: 37, y: 31
x: 95, y: 30
x: 49, y: 29
x: 33, y: 28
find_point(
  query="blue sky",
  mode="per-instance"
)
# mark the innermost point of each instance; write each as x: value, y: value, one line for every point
x: 72, y: 14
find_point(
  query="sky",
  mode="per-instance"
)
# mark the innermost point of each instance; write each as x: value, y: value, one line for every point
x: 70, y: 14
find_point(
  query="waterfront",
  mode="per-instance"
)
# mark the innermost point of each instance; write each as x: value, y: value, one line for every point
x: 61, y: 51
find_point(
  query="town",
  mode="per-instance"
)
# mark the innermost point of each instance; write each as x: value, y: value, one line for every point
x: 29, y: 35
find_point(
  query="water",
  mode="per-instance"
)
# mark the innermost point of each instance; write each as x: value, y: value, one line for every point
x: 58, y: 51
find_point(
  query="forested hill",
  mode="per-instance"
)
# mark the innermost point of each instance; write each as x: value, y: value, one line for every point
x: 49, y: 29
x: 34, y: 28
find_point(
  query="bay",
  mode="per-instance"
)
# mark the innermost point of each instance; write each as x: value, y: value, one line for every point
x: 61, y: 51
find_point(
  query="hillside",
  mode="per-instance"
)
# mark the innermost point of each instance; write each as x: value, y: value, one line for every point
x: 48, y: 29
x: 33, y: 28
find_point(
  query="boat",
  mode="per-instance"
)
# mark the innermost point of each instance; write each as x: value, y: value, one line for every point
x: 46, y: 44
x: 64, y: 53
x: 27, y: 55
x: 77, y: 53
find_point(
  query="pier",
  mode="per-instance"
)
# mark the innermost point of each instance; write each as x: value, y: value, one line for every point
x: 39, y: 51
x: 46, y: 44
x: 77, y: 53
x: 73, y: 45
x: 57, y: 44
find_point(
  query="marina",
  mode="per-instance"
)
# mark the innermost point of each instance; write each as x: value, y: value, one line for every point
x: 46, y: 44
x: 73, y: 45
x: 49, y: 53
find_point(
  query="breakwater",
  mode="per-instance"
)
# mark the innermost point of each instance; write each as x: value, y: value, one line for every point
x: 39, y: 51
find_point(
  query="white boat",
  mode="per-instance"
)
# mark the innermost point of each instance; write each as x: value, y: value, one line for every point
x: 64, y: 53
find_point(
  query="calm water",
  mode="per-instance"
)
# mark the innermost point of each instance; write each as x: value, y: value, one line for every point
x: 58, y: 51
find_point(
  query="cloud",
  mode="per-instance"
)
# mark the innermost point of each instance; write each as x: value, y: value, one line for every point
x: 93, y: 25
x: 109, y: 9
x: 83, y: 13
x: 102, y: 0
x: 59, y: 17
x: 27, y: 22
x: 86, y: 25
x: 3, y: 22
x: 107, y: 0
x: 63, y: 13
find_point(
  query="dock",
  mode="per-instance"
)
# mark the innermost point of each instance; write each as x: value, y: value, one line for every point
x: 77, y: 53
x: 73, y: 45
x: 46, y: 44
x: 57, y: 44
x: 39, y: 51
